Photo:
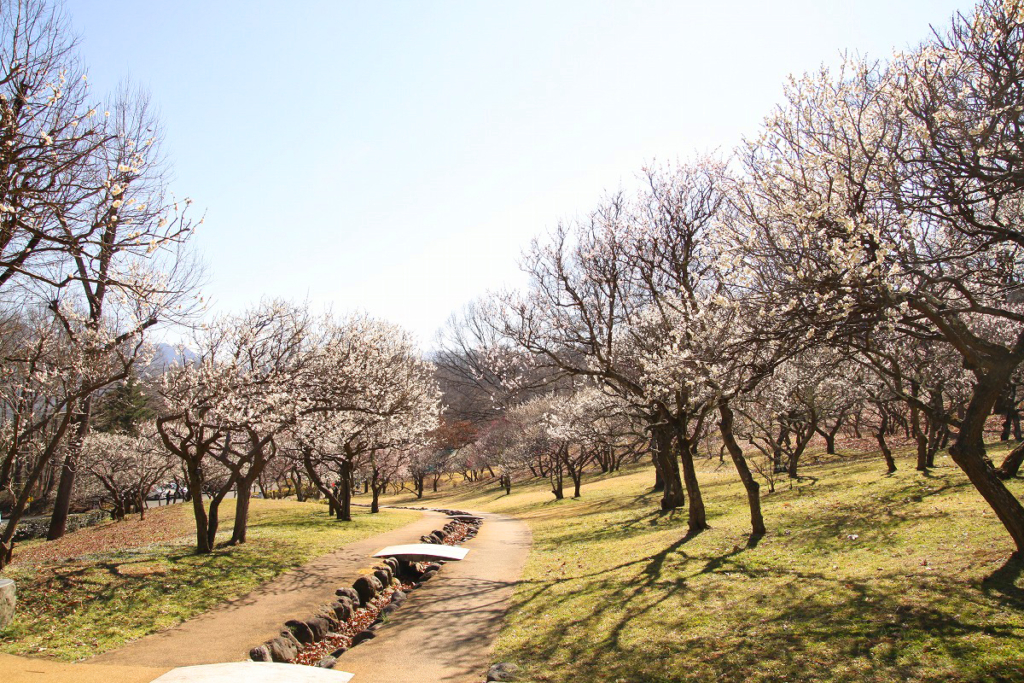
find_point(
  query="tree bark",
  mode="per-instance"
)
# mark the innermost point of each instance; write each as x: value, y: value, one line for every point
x: 241, y: 512
x: 883, y: 446
x: 345, y: 514
x: 7, y: 538
x: 1011, y: 464
x: 697, y: 517
x: 204, y: 544
x: 66, y: 487
x: 918, y: 433
x: 749, y: 483
x: 968, y: 452
x: 672, y: 494
x: 659, y: 477
x: 555, y: 477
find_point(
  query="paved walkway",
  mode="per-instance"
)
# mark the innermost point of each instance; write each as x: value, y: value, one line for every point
x: 445, y: 631
x: 226, y: 633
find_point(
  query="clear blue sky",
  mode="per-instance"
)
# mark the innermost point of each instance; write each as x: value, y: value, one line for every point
x: 395, y: 157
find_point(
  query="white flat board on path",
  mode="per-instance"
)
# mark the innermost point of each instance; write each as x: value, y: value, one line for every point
x: 253, y: 672
x: 423, y: 552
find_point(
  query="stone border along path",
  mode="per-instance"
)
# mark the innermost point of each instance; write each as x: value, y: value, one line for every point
x: 446, y: 634
x: 445, y: 631
x: 361, y: 610
x: 227, y: 633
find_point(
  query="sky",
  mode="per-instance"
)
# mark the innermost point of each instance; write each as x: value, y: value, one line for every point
x: 396, y: 157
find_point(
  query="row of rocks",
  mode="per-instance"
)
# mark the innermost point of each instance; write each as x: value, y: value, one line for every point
x: 38, y: 527
x: 454, y: 532
x: 503, y: 671
x: 371, y: 598
x: 330, y: 618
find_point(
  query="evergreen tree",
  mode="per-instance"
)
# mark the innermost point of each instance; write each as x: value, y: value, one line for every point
x: 123, y: 408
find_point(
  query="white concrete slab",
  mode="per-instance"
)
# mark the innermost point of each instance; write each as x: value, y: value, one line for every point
x: 423, y: 552
x: 253, y: 672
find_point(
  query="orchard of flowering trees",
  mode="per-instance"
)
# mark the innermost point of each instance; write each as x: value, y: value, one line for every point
x: 858, y: 266
x: 94, y: 255
x: 274, y: 383
x: 853, y: 270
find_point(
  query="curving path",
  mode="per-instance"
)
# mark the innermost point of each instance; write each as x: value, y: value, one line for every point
x: 226, y: 633
x: 445, y: 631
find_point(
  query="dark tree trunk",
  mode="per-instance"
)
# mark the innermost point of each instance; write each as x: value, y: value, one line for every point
x: 919, y: 435
x: 697, y: 517
x: 1011, y: 464
x: 672, y: 493
x: 830, y: 436
x: 241, y: 512
x: 883, y: 427
x: 555, y: 477
x: 333, y: 493
x: 659, y: 477
x: 296, y: 480
x: 749, y: 483
x: 21, y: 503
x: 66, y: 488
x: 213, y: 523
x: 204, y: 544
x: 345, y: 491
x: 968, y: 452
x: 803, y: 437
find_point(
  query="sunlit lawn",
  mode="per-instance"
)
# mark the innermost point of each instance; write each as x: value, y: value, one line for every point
x: 862, y: 577
x: 77, y: 607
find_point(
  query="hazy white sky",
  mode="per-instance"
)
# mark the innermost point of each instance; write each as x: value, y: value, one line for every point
x: 395, y: 157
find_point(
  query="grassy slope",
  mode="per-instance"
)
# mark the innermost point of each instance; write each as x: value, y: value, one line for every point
x: 138, y: 577
x: 862, y: 577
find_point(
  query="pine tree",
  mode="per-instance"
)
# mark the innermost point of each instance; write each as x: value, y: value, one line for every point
x: 123, y: 408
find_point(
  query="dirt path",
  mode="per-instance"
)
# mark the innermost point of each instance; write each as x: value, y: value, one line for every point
x: 445, y: 631
x: 27, y: 670
x: 226, y: 633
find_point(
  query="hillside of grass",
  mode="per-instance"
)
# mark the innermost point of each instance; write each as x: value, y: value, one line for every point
x: 100, y: 587
x: 862, y: 577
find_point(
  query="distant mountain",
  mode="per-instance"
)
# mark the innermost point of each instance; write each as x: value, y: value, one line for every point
x: 166, y: 356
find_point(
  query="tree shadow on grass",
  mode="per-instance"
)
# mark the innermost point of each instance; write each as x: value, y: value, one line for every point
x: 806, y: 626
x: 1004, y: 583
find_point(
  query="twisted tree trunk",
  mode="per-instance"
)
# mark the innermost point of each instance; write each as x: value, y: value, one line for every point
x: 749, y: 483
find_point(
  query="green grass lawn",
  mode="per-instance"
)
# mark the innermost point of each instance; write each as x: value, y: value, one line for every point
x: 101, y: 587
x: 862, y: 577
